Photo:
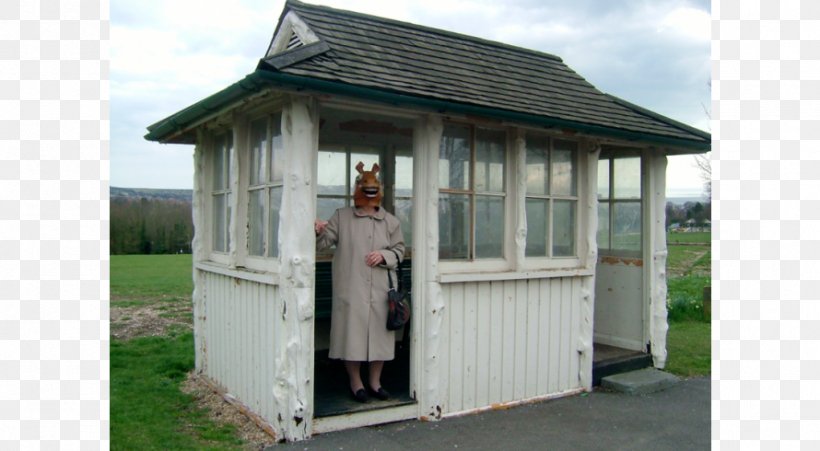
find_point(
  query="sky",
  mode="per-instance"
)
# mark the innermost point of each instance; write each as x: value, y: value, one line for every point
x: 169, y: 54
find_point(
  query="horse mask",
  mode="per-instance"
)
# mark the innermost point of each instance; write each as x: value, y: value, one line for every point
x: 368, y: 192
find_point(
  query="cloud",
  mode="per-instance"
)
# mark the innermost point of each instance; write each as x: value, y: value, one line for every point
x: 167, y: 55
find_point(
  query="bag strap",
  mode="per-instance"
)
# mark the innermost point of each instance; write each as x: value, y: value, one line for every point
x: 398, y: 265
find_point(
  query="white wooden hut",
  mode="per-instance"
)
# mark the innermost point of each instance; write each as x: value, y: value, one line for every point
x: 531, y: 202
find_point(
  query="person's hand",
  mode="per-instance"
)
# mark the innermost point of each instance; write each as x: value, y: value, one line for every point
x: 319, y: 226
x: 374, y: 258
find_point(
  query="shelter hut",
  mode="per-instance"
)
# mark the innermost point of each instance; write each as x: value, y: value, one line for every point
x: 532, y: 206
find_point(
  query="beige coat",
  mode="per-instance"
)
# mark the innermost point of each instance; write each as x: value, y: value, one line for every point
x: 358, y: 318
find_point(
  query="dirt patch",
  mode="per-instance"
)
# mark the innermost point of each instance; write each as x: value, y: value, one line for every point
x: 222, y: 412
x: 149, y: 318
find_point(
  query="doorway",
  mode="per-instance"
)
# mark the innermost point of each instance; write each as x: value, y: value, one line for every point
x: 347, y: 137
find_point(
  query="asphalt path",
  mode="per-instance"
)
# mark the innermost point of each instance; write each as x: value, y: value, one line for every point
x: 677, y: 418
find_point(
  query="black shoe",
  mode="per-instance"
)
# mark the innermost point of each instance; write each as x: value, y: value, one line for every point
x: 360, y: 395
x: 381, y: 393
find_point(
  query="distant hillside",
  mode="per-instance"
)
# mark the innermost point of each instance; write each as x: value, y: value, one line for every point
x: 184, y: 195
x: 683, y: 200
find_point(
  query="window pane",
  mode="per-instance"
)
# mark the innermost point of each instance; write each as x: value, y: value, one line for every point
x: 537, y: 164
x: 454, y: 157
x: 489, y: 229
x: 273, y: 221
x: 219, y: 163
x: 453, y: 226
x: 563, y: 226
x: 404, y: 212
x: 626, y: 233
x: 332, y: 172
x: 368, y: 159
x: 489, y: 160
x: 256, y: 222
x: 220, y: 222
x: 537, y: 226
x: 404, y: 176
x: 326, y: 206
x: 603, y: 179
x: 603, y: 225
x: 259, y: 139
x: 627, y: 178
x: 563, y: 168
x: 277, y: 150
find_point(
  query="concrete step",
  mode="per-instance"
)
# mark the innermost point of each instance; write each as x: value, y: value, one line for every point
x: 647, y: 380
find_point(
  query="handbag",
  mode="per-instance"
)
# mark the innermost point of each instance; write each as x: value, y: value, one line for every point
x: 398, y: 300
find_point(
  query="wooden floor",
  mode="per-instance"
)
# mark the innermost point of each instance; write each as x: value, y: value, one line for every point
x: 332, y: 393
x: 609, y: 360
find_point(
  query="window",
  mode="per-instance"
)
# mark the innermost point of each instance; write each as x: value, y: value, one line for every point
x: 403, y: 194
x: 221, y: 191
x: 619, y: 204
x: 337, y: 176
x: 552, y: 197
x: 471, y: 193
x: 265, y: 186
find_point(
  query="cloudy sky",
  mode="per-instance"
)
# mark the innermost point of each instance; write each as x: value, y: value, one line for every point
x: 168, y: 54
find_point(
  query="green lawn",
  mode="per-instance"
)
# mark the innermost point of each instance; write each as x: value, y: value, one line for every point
x: 151, y: 276
x: 689, y: 237
x: 148, y: 409
x: 688, y: 348
x: 688, y: 342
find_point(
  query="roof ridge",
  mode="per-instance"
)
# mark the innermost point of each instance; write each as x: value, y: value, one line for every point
x: 298, y: 4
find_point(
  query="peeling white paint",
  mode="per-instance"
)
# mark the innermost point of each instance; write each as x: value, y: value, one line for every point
x: 198, y: 213
x: 293, y: 390
x: 586, y: 336
x: 658, y: 324
x: 430, y: 305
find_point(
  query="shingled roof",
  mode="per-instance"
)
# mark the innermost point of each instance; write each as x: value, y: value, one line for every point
x: 346, y: 52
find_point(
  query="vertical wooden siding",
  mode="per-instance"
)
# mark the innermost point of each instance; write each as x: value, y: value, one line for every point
x: 238, y: 333
x: 509, y: 340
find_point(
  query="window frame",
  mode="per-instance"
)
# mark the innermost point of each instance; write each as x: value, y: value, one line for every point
x: 550, y: 198
x: 217, y: 138
x: 266, y: 184
x: 611, y: 155
x: 471, y: 263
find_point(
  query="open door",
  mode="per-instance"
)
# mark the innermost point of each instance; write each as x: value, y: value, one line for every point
x: 345, y: 138
x: 620, y: 301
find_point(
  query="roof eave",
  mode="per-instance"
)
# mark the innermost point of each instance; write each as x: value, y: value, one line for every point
x: 178, y: 124
x: 399, y: 99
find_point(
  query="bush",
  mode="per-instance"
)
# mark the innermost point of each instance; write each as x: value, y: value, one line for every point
x: 685, y: 298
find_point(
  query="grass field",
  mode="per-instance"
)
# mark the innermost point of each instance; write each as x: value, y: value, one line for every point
x: 688, y: 342
x: 149, y: 410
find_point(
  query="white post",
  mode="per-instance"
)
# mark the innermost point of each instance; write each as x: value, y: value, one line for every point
x: 586, y: 338
x: 519, y: 197
x: 428, y: 307
x: 656, y: 213
x: 198, y: 251
x: 293, y: 385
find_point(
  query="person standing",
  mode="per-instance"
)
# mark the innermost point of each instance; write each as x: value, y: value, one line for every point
x: 369, y: 243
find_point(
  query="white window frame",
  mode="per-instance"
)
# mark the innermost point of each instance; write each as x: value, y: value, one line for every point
x: 264, y: 262
x: 472, y: 264
x: 612, y: 155
x: 579, y: 163
x: 219, y: 256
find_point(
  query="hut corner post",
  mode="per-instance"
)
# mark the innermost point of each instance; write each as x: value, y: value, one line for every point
x: 586, y: 337
x: 293, y: 384
x: 658, y: 324
x: 430, y: 311
x: 197, y: 248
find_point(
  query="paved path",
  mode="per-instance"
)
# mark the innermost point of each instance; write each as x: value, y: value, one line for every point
x: 677, y: 418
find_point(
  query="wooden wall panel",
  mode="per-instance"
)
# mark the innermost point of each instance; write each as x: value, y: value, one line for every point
x: 509, y: 340
x: 238, y: 333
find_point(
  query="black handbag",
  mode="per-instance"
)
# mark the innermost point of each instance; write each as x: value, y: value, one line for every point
x: 398, y: 301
